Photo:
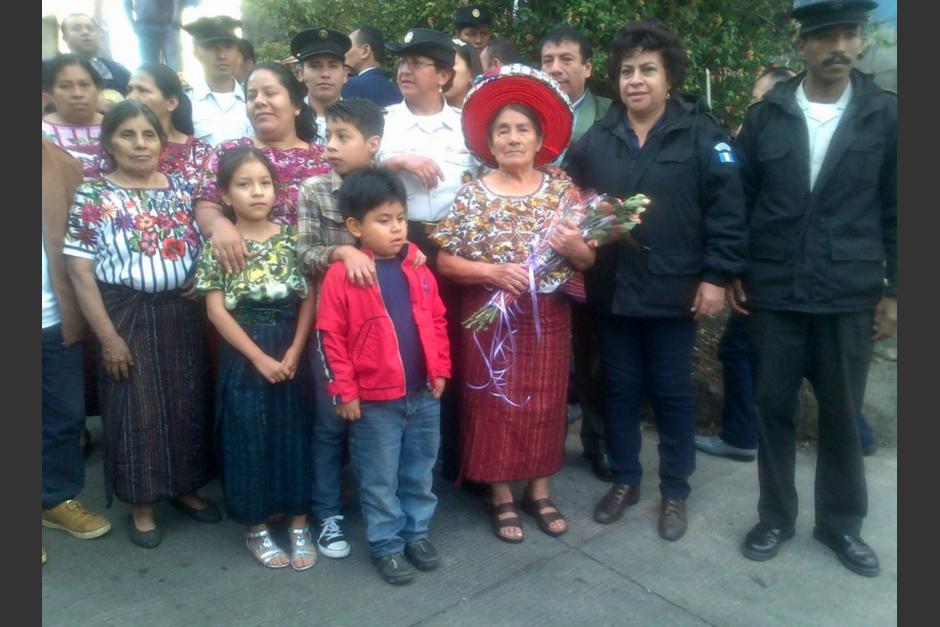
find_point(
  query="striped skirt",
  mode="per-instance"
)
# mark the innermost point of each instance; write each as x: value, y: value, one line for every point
x: 265, y: 429
x: 501, y: 441
x: 157, y: 423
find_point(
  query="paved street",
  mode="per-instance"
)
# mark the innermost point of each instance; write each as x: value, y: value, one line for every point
x: 622, y: 574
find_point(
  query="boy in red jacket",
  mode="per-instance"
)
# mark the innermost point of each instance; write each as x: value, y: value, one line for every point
x: 387, y: 358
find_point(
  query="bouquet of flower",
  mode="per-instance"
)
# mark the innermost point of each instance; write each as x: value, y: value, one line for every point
x: 601, y: 219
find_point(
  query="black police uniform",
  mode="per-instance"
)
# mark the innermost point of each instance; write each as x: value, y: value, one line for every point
x: 820, y: 259
x: 693, y: 231
x: 473, y: 16
x: 314, y: 41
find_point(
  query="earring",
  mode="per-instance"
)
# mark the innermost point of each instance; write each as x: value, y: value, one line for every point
x: 668, y: 95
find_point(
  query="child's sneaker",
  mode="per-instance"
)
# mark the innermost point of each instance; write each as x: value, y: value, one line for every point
x: 332, y: 542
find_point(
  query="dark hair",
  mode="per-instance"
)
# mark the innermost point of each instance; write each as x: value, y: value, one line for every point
x: 55, y: 66
x: 778, y: 74
x: 525, y: 110
x: 169, y: 85
x: 372, y: 36
x: 504, y: 50
x: 246, y: 49
x: 565, y: 32
x: 303, y: 123
x: 445, y: 67
x: 470, y: 56
x: 122, y: 112
x: 651, y: 36
x: 233, y: 158
x: 362, y: 113
x: 71, y: 15
x: 368, y: 188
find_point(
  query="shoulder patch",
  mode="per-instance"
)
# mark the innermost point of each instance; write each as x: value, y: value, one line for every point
x: 724, y: 153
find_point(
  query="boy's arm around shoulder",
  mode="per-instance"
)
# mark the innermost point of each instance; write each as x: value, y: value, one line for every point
x: 332, y: 333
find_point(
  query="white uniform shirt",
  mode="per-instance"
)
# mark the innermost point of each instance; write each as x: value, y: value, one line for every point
x: 438, y: 137
x: 50, y: 304
x: 821, y: 121
x: 219, y: 118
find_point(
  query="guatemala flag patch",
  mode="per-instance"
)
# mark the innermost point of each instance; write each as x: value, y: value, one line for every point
x: 724, y: 153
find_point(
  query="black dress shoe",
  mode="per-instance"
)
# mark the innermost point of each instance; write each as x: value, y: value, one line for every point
x: 394, y: 569
x: 208, y: 514
x: 851, y: 551
x: 422, y: 555
x: 600, y: 466
x: 610, y: 509
x: 144, y: 539
x: 763, y: 542
x: 672, y: 518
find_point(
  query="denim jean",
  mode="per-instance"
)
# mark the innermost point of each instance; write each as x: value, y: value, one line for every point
x: 63, y: 418
x: 652, y: 358
x: 329, y: 431
x: 394, y: 446
x: 154, y: 39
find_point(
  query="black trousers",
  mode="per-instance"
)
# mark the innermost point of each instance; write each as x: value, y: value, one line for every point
x: 450, y: 401
x: 832, y: 351
x: 588, y: 379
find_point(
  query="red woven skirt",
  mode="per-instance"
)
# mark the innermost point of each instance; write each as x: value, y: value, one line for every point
x: 503, y: 442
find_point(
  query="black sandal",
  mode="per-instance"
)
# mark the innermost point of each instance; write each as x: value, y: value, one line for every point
x: 534, y: 509
x: 505, y: 523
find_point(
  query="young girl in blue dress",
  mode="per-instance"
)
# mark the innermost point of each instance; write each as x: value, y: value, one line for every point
x: 263, y: 393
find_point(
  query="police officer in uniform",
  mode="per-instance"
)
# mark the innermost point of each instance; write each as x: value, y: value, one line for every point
x: 474, y: 24
x: 321, y: 53
x: 818, y: 161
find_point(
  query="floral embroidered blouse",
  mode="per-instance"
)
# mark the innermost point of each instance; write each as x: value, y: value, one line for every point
x: 271, y: 273
x: 485, y: 226
x: 145, y: 239
x: 185, y: 160
x: 79, y: 141
x: 293, y: 165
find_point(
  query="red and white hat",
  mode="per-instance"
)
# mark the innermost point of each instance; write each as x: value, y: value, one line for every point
x: 517, y: 84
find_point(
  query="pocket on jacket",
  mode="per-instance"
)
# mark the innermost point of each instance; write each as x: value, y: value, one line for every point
x: 679, y: 154
x: 367, y: 342
x: 857, y: 268
x: 863, y: 159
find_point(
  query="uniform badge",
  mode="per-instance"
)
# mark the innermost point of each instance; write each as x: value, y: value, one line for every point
x: 409, y: 36
x: 724, y: 153
x: 475, y: 13
x: 324, y: 33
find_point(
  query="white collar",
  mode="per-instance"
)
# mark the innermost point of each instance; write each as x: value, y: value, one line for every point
x: 805, y: 104
x: 368, y: 69
x: 201, y: 91
x: 448, y: 117
x: 577, y: 103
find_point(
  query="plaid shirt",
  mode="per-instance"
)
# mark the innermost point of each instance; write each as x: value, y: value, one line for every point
x: 320, y: 225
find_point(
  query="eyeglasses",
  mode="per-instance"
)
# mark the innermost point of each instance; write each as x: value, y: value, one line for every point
x: 413, y: 64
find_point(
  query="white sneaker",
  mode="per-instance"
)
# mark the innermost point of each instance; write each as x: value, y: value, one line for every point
x: 332, y: 542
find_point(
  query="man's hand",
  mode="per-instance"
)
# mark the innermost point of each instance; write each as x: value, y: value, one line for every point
x: 360, y: 267
x: 349, y: 411
x: 737, y: 298
x: 886, y: 318
x: 439, y: 383
x: 709, y: 300
x: 424, y: 168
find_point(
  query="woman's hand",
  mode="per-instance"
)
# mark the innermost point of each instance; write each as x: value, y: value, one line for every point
x: 229, y: 246
x: 566, y: 241
x: 709, y: 300
x: 360, y: 267
x: 290, y: 361
x: 737, y: 298
x: 509, y: 276
x: 555, y: 172
x: 349, y: 411
x: 117, y: 357
x: 439, y: 383
x: 424, y: 168
x: 270, y: 368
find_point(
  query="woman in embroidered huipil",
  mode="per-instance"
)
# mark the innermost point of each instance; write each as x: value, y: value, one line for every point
x: 72, y: 84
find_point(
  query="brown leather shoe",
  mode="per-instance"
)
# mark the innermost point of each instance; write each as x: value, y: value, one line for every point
x: 611, y: 507
x: 672, y: 519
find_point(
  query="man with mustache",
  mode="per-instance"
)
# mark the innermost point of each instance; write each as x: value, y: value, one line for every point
x: 819, y: 165
x: 219, y: 112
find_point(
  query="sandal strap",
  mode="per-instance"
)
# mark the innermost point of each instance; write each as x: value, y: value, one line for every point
x: 503, y: 508
x: 266, y: 550
x: 536, y: 507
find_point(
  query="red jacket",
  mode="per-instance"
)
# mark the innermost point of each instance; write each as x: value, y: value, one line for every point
x: 357, y: 339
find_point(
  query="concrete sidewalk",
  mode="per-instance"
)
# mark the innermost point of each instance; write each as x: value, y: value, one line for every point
x: 621, y: 574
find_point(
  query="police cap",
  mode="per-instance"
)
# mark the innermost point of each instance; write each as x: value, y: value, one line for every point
x: 311, y: 41
x: 817, y: 14
x: 473, y: 16
x: 425, y: 41
x: 205, y: 30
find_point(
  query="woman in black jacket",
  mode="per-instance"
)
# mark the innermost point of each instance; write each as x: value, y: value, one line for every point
x: 647, y: 298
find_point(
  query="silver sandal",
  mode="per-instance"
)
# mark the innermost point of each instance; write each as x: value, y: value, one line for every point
x: 266, y: 551
x: 301, y: 547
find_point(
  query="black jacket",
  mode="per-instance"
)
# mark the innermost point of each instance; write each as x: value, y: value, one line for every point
x: 692, y: 231
x: 828, y: 250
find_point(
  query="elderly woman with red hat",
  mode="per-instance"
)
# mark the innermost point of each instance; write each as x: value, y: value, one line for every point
x: 513, y: 420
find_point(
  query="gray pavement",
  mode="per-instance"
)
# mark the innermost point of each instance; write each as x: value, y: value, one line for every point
x: 621, y: 574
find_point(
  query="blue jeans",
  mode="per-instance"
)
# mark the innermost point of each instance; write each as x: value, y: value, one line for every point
x: 652, y: 358
x: 154, y: 39
x: 329, y: 431
x: 394, y: 446
x: 63, y: 418
x: 738, y: 414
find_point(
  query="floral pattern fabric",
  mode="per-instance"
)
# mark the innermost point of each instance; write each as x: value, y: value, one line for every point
x: 185, y: 160
x: 271, y: 273
x: 145, y: 239
x: 485, y: 226
x: 79, y: 141
x: 293, y: 165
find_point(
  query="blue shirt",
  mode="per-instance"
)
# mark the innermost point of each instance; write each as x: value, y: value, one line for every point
x: 633, y: 142
x: 397, y: 297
